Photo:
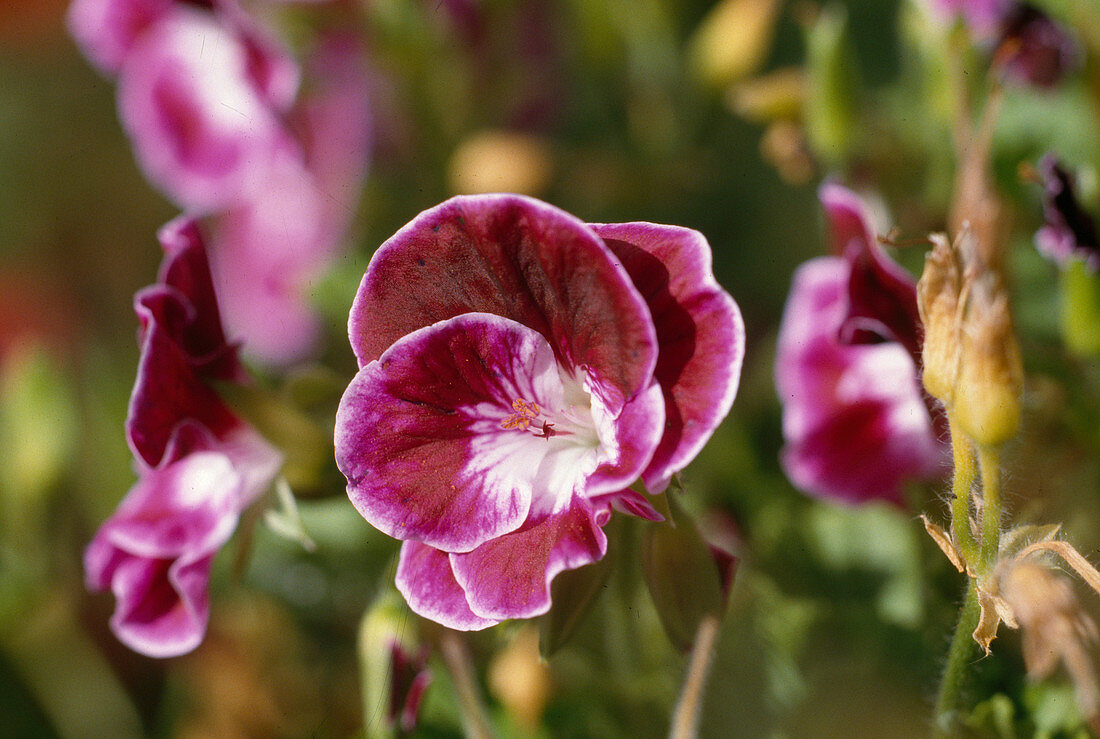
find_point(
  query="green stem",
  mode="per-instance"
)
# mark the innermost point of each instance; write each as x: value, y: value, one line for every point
x: 990, y: 463
x: 457, y: 659
x: 958, y: 658
x: 966, y: 472
x: 685, y: 720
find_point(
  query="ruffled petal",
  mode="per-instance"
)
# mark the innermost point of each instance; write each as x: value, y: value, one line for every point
x: 200, y: 127
x: 699, y: 331
x: 425, y: 579
x: 854, y: 419
x: 628, y: 440
x: 163, y: 607
x: 519, y: 258
x: 882, y: 297
x: 189, y: 506
x: 186, y: 269
x: 106, y: 30
x: 509, y: 577
x: 431, y: 442
x: 168, y: 390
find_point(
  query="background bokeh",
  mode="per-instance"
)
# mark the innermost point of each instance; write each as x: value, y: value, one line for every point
x: 614, y: 110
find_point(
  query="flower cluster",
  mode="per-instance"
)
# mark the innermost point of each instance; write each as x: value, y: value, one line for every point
x: 211, y: 103
x: 855, y: 421
x: 199, y: 464
x: 518, y: 370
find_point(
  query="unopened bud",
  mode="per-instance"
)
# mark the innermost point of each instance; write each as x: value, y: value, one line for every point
x: 990, y: 381
x: 938, y: 303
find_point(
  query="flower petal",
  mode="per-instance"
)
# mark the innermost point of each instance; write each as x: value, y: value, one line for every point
x: 188, y: 506
x: 106, y: 30
x: 422, y: 434
x: 425, y: 579
x: 168, y: 390
x: 509, y: 577
x: 519, y: 258
x: 1069, y: 231
x: 854, y: 419
x: 882, y: 297
x: 163, y: 607
x: 200, y: 126
x: 699, y: 331
x: 186, y: 269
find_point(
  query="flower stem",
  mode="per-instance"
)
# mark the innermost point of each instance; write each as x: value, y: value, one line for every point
x: 958, y: 656
x: 990, y: 463
x: 685, y: 719
x: 966, y: 472
x: 457, y: 659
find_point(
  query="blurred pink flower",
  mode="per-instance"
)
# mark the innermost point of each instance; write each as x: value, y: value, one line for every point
x: 855, y: 421
x: 203, y: 128
x: 518, y: 370
x: 1069, y: 231
x: 199, y: 464
x: 271, y: 247
x: 1027, y: 43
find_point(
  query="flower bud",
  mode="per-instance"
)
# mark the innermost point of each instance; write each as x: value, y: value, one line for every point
x: 938, y: 303
x: 990, y: 379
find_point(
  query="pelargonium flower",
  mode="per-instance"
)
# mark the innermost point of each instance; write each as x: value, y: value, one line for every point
x: 269, y: 248
x: 1069, y: 232
x: 199, y: 464
x: 201, y: 104
x: 518, y: 370
x: 855, y: 421
x: 1028, y: 44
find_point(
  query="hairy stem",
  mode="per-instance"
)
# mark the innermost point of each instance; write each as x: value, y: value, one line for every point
x: 966, y: 472
x: 958, y: 657
x: 990, y: 463
x: 685, y: 720
x: 457, y: 659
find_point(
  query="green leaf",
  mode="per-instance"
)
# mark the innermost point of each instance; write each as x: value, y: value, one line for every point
x: 1081, y: 309
x: 833, y: 87
x: 573, y: 594
x: 682, y: 576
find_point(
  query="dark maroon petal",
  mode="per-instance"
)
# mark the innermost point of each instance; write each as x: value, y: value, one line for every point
x: 882, y: 297
x: 1069, y: 232
x: 425, y: 579
x: 509, y: 577
x: 167, y: 391
x: 699, y: 331
x: 1034, y: 49
x: 186, y: 268
x: 514, y: 257
x: 860, y: 454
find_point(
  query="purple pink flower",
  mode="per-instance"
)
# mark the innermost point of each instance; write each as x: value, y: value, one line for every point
x: 199, y: 464
x: 1069, y: 231
x: 519, y: 369
x: 212, y: 106
x: 856, y: 424
x: 1028, y: 44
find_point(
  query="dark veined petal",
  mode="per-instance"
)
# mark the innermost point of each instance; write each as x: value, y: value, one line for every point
x: 700, y: 334
x: 519, y: 258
